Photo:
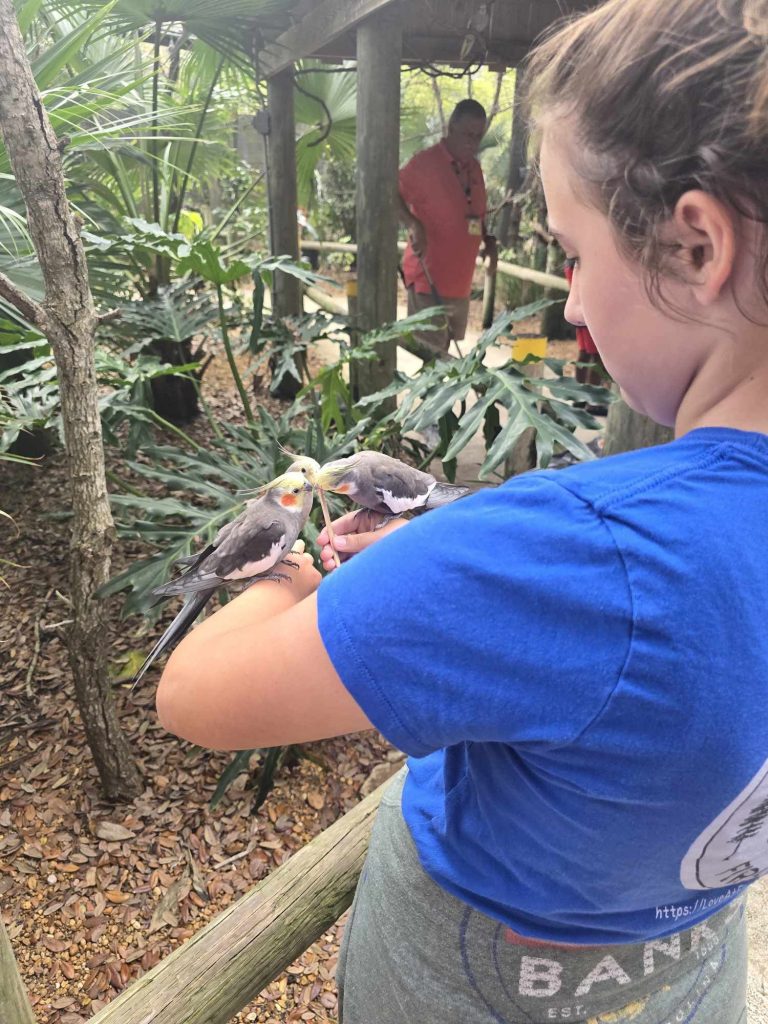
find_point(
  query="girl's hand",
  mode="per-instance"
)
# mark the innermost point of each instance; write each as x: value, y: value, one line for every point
x: 353, y: 532
x: 305, y: 579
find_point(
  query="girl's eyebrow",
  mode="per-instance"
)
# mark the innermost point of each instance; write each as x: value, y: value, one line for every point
x: 562, y: 239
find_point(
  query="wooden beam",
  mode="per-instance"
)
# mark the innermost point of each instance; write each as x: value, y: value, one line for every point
x: 536, y: 276
x: 225, y: 965
x: 508, y: 269
x: 421, y: 349
x: 379, y: 49
x: 320, y: 26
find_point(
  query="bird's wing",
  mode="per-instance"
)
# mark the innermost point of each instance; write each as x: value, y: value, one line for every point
x: 249, y: 549
x: 444, y: 494
x: 253, y: 548
x: 400, y: 487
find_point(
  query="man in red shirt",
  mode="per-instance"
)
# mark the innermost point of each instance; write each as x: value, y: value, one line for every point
x: 443, y: 204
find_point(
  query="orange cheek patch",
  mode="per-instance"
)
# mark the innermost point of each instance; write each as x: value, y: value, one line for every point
x: 342, y: 489
x: 288, y: 500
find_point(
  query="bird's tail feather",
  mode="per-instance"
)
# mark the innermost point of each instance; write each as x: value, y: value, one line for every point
x: 189, y: 583
x: 443, y: 494
x: 189, y: 612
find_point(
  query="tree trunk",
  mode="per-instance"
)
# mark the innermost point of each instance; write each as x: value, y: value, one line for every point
x: 68, y: 319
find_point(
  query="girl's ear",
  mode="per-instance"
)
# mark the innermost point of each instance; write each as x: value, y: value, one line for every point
x: 705, y: 230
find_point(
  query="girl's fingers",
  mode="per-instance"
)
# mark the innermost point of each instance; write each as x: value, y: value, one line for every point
x: 350, y: 543
x: 347, y: 524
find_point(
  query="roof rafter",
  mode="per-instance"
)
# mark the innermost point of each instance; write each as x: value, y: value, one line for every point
x: 318, y: 27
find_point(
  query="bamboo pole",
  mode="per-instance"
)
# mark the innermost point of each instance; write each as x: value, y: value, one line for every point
x: 15, y: 1007
x: 224, y: 966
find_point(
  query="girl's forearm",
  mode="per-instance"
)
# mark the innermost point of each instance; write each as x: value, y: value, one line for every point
x: 260, y: 602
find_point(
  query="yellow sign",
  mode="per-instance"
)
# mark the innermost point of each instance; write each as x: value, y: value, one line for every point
x: 528, y: 345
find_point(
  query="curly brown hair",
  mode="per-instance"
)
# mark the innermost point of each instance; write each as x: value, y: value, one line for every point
x: 664, y: 96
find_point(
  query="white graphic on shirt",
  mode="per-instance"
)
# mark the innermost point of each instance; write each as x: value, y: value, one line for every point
x: 607, y: 970
x: 539, y: 976
x: 734, y: 848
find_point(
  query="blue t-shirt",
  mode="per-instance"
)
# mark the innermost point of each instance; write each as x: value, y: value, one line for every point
x: 577, y: 663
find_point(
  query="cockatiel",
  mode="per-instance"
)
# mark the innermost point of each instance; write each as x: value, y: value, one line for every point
x: 383, y: 484
x: 247, y: 549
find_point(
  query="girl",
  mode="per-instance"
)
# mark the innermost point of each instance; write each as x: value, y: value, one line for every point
x: 576, y: 827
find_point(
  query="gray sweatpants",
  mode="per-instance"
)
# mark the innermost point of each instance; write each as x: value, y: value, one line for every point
x: 413, y: 954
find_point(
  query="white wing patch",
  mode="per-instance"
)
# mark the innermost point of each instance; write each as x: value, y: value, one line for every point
x: 254, y: 568
x: 404, y: 503
x: 734, y: 848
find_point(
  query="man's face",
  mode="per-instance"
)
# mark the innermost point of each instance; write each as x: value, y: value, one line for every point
x: 464, y: 136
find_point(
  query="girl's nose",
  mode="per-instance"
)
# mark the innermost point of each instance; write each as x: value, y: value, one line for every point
x: 573, y: 312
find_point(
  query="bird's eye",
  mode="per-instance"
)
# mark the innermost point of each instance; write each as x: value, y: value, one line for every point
x: 295, y: 490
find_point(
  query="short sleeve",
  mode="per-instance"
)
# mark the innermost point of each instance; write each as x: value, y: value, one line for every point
x: 411, y: 181
x: 504, y: 617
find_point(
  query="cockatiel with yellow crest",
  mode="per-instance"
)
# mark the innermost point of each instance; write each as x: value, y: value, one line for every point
x: 248, y: 549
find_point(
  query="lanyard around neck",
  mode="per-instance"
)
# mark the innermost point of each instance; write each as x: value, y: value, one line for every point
x: 464, y: 179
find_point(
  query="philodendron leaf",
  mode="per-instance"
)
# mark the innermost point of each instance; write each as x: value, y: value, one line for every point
x: 204, y: 260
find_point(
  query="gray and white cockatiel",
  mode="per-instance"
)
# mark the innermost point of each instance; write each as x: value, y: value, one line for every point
x: 383, y: 484
x: 244, y: 551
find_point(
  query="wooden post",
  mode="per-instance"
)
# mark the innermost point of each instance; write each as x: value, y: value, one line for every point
x: 509, y: 223
x: 281, y: 185
x: 286, y: 300
x: 350, y: 286
x: 14, y: 1002
x: 379, y: 50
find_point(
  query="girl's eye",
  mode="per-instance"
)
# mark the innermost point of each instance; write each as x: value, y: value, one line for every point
x: 570, y: 262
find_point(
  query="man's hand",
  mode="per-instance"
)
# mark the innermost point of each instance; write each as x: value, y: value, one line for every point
x: 353, y: 532
x: 490, y: 251
x: 418, y: 236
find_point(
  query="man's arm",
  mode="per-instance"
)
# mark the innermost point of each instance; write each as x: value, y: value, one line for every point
x: 416, y: 230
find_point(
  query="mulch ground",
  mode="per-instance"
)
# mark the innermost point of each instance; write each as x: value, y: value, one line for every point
x: 92, y: 894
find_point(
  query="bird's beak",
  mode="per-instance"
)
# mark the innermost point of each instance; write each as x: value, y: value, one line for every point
x: 308, y: 486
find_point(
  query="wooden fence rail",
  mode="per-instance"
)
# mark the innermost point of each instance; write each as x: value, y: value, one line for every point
x: 14, y: 1001
x: 503, y: 267
x: 224, y: 967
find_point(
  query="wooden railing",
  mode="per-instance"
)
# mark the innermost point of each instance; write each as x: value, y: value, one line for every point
x: 337, y: 304
x: 503, y: 267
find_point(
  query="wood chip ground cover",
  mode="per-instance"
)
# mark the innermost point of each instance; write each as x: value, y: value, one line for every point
x: 94, y: 895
